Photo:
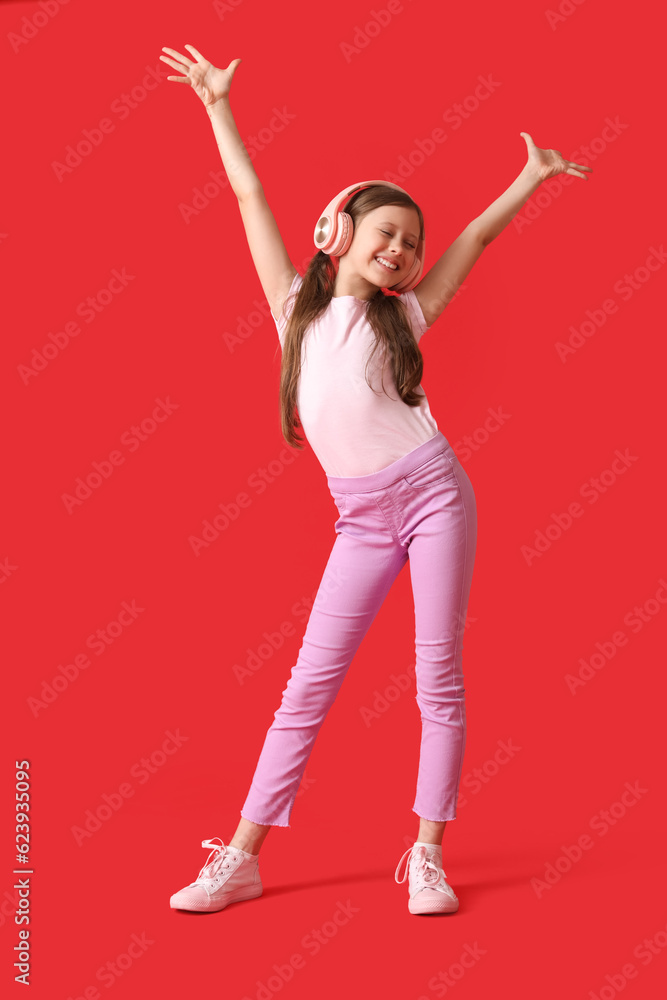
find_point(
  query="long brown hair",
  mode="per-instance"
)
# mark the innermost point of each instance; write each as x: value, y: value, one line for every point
x: 385, y: 313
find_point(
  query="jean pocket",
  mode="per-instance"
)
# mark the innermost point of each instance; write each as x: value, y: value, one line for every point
x: 340, y: 499
x: 436, y: 470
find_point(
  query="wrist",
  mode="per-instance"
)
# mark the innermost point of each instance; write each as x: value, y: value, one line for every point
x: 217, y: 105
x: 531, y: 173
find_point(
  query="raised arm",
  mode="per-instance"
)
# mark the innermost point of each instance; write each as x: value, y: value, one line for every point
x: 212, y: 86
x: 439, y: 285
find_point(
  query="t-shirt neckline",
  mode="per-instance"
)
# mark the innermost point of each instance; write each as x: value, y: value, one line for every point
x: 356, y: 299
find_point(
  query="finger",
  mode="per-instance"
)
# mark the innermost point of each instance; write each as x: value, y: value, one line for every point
x: 176, y: 65
x: 196, y: 54
x: 571, y: 170
x: 233, y: 66
x: 179, y: 79
x: 177, y: 55
x: 528, y: 138
x: 577, y: 166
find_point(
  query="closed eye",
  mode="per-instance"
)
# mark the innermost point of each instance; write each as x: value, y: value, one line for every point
x: 407, y: 242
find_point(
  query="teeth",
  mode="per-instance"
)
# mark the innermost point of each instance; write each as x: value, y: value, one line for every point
x: 387, y: 263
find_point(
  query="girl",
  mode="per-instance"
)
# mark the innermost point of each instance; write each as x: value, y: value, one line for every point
x: 349, y: 329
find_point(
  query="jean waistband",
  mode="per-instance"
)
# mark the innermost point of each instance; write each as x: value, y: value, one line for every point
x: 401, y: 467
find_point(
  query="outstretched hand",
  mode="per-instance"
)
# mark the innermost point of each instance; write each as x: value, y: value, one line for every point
x: 549, y: 162
x: 209, y: 83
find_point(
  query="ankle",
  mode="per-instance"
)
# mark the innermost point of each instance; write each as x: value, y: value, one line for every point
x: 244, y: 844
x: 249, y: 836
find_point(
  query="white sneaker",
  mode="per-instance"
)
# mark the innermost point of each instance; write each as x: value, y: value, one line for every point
x: 232, y: 875
x: 428, y: 890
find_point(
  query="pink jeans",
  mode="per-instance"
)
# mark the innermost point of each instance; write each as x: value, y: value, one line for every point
x: 422, y: 508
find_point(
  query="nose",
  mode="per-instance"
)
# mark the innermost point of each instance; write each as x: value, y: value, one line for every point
x: 396, y: 245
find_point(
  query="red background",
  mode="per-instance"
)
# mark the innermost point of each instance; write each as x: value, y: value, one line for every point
x: 165, y: 336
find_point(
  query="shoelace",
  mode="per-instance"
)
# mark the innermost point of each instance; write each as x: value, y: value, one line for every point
x: 211, y: 868
x: 426, y: 870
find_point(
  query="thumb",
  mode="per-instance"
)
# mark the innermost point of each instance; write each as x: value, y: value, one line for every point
x: 233, y: 66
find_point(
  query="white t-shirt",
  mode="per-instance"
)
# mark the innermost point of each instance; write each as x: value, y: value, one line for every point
x: 352, y: 430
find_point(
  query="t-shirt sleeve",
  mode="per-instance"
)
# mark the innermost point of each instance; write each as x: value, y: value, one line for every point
x: 415, y: 314
x: 288, y: 305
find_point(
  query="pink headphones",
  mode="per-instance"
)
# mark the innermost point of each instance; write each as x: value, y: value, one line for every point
x: 333, y: 232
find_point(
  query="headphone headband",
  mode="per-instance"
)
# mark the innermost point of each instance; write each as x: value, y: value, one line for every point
x: 334, y: 231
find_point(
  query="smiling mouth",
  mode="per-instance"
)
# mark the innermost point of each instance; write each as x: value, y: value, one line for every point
x: 385, y: 267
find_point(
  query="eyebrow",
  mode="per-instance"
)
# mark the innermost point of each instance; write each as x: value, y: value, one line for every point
x: 387, y: 223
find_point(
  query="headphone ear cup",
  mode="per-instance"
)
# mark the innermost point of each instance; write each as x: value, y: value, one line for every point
x: 333, y: 233
x: 342, y: 237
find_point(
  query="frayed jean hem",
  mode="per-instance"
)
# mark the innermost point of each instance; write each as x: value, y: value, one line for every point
x: 261, y: 822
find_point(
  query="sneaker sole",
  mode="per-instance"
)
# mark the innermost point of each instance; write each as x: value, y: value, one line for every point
x: 433, y: 905
x: 235, y: 896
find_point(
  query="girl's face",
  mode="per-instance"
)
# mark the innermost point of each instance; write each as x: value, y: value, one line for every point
x: 390, y: 233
